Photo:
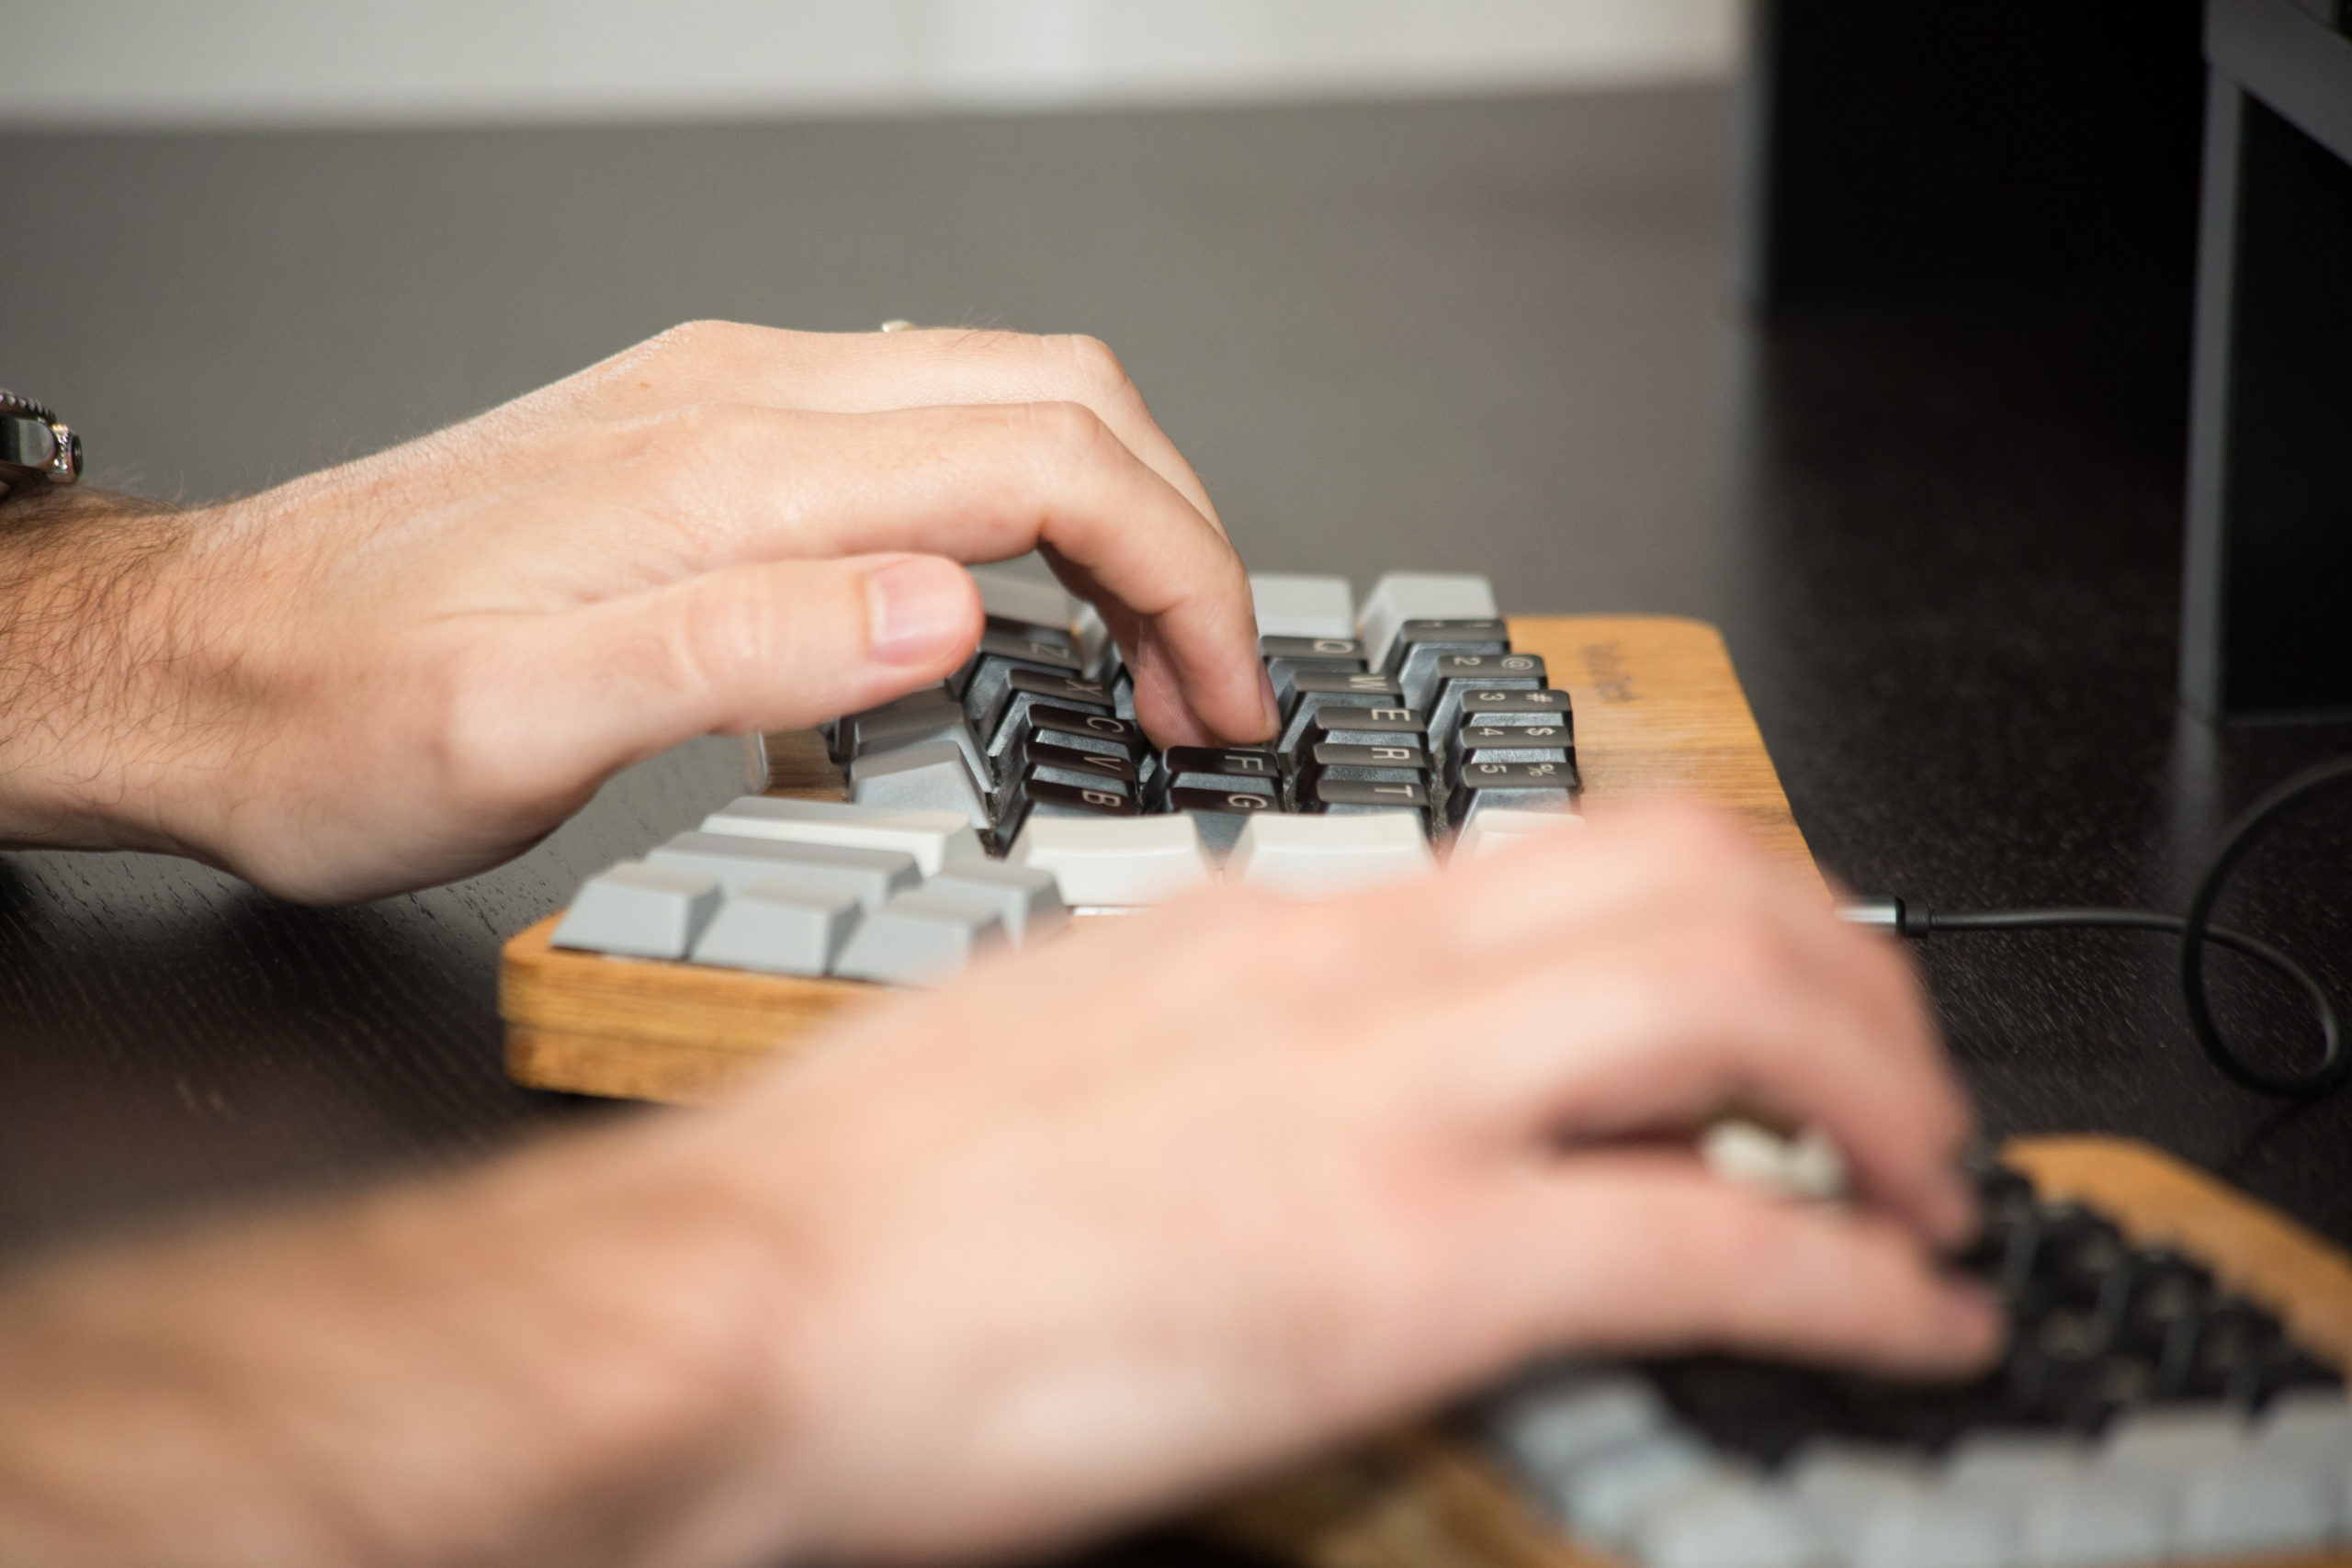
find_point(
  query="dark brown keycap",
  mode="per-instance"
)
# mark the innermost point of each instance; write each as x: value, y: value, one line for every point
x: 1076, y: 763
x: 1349, y: 797
x: 1364, y: 727
x: 1009, y: 722
x: 1367, y: 764
x: 1440, y: 692
x: 1419, y: 642
x: 1087, y: 730
x: 1515, y: 786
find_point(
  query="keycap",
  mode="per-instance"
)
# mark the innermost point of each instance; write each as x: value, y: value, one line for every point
x: 1098, y: 653
x: 1937, y: 1529
x: 1218, y: 767
x: 780, y: 927
x: 934, y: 837
x: 1317, y: 856
x: 1606, y: 1498
x: 1509, y: 709
x: 1312, y: 692
x: 1051, y: 635
x: 891, y: 716
x: 1511, y: 786
x: 1068, y: 764
x: 1366, y: 764
x: 1497, y: 830
x: 919, y: 937
x: 1006, y: 724
x: 1437, y: 689
x: 639, y: 911
x: 2314, y: 1418
x: 1402, y: 596
x: 2253, y: 1501
x: 1115, y: 862
x: 922, y: 728
x: 1509, y: 743
x: 1558, y: 1423
x: 871, y: 876
x: 1347, y: 797
x: 1220, y: 814
x: 1027, y: 899
x: 2013, y: 1461
x: 1084, y: 729
x: 1728, y: 1522
x: 1014, y: 597
x: 1287, y: 657
x: 1418, y: 645
x: 1294, y: 605
x: 1034, y: 794
x: 934, y: 776
x: 1839, y: 1483
x: 980, y: 683
x: 1365, y: 727
x: 2095, y: 1521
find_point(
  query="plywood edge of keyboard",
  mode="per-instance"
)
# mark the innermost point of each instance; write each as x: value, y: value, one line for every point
x: 1660, y: 712
x: 590, y: 1024
x: 2156, y: 1198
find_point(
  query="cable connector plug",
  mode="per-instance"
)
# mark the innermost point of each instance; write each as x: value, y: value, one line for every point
x: 1914, y: 922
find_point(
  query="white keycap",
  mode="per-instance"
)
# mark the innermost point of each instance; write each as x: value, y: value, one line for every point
x: 1939, y: 1530
x: 1289, y: 605
x: 2255, y: 1501
x: 1404, y: 596
x: 1807, y: 1167
x: 1841, y: 1483
x: 1018, y: 598
x: 1606, y: 1498
x: 784, y: 928
x: 1730, y: 1522
x: 1115, y: 862
x: 2172, y: 1436
x: 2311, y: 1418
x: 1027, y: 899
x: 1553, y: 1426
x: 870, y: 875
x: 640, y: 910
x: 934, y: 837
x: 2013, y: 1461
x: 1316, y: 857
x: 934, y: 776
x: 919, y: 937
x: 2095, y: 1520
x: 1498, y: 829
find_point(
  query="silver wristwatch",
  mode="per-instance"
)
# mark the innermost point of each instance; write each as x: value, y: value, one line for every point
x: 36, y: 451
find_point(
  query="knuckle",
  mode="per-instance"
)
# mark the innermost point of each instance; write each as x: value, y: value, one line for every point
x: 700, y: 340
x: 1094, y: 366
x: 1065, y: 433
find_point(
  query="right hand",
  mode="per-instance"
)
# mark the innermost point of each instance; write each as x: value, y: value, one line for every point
x: 1176, y: 1196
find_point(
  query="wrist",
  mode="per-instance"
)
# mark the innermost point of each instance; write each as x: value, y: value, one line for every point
x: 96, y: 668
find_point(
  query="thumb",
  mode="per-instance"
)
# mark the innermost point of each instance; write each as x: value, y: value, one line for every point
x: 775, y: 645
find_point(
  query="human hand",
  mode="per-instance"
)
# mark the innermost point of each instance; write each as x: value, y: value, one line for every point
x: 409, y: 668
x: 1168, y: 1200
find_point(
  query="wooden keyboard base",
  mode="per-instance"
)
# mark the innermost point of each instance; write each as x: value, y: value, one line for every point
x: 1658, y: 712
x: 1422, y: 1498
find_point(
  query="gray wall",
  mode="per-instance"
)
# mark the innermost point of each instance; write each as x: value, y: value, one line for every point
x: 103, y: 62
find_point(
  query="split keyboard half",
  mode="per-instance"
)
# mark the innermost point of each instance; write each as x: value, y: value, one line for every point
x: 989, y: 809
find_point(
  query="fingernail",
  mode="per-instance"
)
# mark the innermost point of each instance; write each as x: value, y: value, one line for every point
x: 919, y: 610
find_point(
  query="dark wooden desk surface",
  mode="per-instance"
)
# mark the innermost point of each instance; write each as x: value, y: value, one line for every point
x: 1494, y: 336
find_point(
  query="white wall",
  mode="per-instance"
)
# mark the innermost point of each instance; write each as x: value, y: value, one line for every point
x: 277, y: 61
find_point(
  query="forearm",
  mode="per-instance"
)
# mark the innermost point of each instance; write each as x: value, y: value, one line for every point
x: 573, y: 1358
x: 89, y: 664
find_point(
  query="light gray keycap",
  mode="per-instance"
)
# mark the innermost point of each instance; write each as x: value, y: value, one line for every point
x: 1841, y: 1483
x: 1013, y: 596
x: 934, y: 837
x: 1939, y: 1530
x: 1115, y: 862
x: 2093, y: 1520
x: 1403, y: 596
x: 1309, y: 857
x: 2013, y: 1461
x: 2172, y: 1436
x: 933, y: 777
x: 2255, y: 1500
x: 2318, y: 1419
x: 919, y: 937
x: 1730, y: 1522
x: 784, y: 928
x: 870, y: 876
x: 922, y: 728
x: 918, y: 705
x: 1551, y: 1428
x: 1290, y: 604
x: 1606, y: 1496
x: 640, y: 910
x: 1499, y: 827
x: 1027, y: 899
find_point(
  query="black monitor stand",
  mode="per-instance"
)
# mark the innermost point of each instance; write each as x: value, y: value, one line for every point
x: 2266, y: 606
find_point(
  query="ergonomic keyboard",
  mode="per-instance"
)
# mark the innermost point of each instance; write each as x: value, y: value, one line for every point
x: 2172, y: 1392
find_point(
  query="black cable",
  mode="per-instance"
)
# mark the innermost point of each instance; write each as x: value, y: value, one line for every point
x: 2195, y: 929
